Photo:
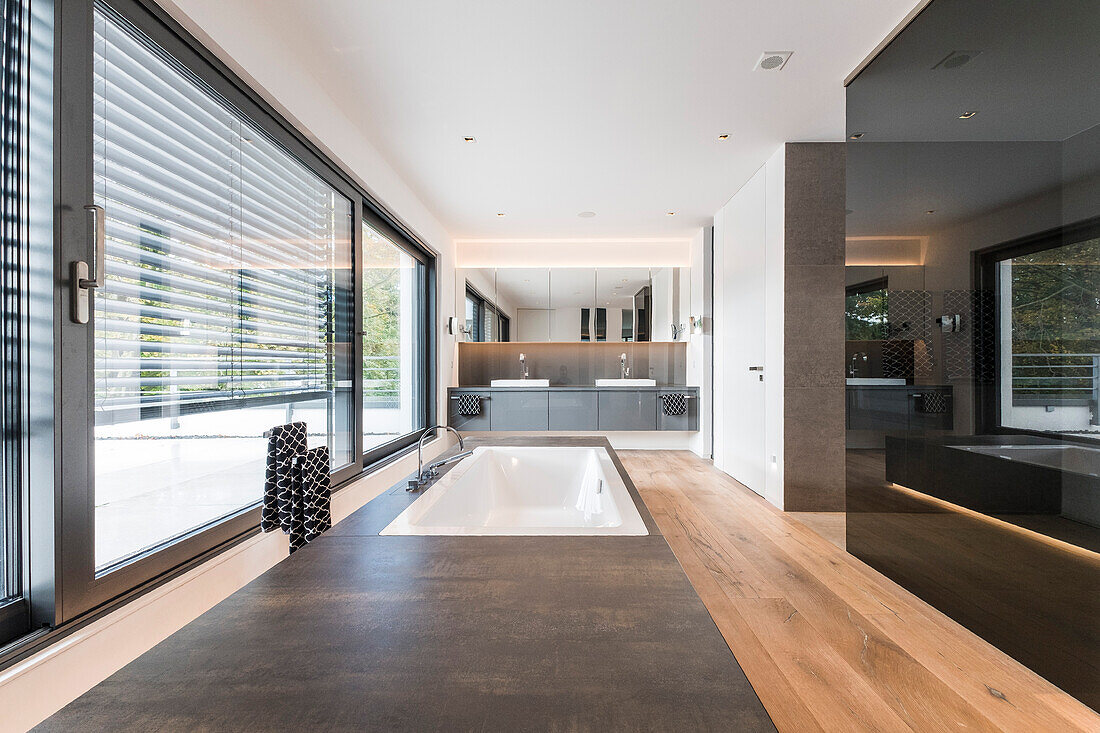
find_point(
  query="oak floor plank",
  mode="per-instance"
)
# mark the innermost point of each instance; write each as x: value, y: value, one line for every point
x: 755, y: 566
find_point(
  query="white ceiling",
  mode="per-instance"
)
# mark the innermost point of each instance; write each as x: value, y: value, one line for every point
x: 611, y: 106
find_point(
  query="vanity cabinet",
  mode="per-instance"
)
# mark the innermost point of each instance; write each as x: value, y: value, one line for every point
x: 628, y: 410
x: 574, y: 410
x: 894, y: 408
x: 520, y: 409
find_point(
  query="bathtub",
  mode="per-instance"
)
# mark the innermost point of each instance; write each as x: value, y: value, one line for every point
x: 525, y: 491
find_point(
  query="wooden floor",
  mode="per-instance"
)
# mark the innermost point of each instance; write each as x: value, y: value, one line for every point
x: 828, y: 643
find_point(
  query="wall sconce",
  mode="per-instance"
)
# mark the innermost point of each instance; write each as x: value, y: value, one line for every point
x: 456, y: 326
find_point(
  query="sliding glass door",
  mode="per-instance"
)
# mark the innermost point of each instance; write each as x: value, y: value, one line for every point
x: 221, y: 278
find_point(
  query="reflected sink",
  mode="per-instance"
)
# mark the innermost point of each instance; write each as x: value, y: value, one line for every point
x: 626, y: 382
x: 520, y: 383
x: 873, y: 381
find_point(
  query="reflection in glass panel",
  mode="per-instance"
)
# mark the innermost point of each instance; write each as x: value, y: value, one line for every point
x: 226, y: 309
x: 393, y: 340
x: 1052, y: 349
x: 972, y: 429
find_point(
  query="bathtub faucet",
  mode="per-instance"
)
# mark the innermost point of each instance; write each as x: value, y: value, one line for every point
x: 424, y: 475
x: 523, y: 373
x: 624, y: 370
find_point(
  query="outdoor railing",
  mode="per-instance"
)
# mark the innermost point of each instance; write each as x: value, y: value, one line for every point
x: 1056, y: 379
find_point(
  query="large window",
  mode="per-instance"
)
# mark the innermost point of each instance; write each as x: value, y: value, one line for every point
x: 226, y: 308
x: 866, y: 316
x: 394, y: 338
x: 1048, y: 312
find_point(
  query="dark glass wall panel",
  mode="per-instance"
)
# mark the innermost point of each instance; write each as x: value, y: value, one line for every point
x: 973, y: 363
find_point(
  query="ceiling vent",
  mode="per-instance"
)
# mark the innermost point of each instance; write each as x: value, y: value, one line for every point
x: 955, y: 59
x: 773, y: 60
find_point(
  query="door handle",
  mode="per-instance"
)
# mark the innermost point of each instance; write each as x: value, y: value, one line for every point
x: 80, y: 283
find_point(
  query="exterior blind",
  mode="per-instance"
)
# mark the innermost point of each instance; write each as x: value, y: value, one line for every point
x: 222, y: 248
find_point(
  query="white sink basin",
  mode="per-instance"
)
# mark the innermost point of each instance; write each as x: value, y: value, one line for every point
x: 875, y: 381
x: 520, y: 383
x: 626, y: 382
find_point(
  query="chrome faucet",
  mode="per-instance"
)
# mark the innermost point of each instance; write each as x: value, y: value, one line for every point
x: 424, y: 475
x: 624, y: 370
x: 523, y: 373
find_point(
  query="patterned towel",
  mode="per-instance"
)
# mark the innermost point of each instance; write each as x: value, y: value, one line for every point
x: 285, y: 442
x: 469, y: 405
x: 932, y: 403
x: 311, y: 507
x: 674, y: 404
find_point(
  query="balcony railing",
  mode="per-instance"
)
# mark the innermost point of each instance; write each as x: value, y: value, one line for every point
x: 1054, y: 380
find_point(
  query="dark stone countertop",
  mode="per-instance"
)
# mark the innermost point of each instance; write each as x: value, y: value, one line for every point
x: 362, y: 632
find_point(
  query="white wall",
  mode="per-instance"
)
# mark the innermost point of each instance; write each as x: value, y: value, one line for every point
x: 748, y: 330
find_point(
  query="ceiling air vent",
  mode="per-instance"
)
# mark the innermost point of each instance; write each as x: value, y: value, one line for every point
x: 773, y: 60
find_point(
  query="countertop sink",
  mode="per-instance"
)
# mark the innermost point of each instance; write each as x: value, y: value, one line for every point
x: 520, y: 383
x: 626, y: 382
x: 875, y: 381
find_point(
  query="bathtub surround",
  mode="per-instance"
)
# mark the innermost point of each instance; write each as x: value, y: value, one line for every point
x: 454, y: 633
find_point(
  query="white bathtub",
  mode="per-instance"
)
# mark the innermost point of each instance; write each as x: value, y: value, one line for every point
x: 525, y: 491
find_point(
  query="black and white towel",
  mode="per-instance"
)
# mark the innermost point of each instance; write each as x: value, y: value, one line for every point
x: 311, y: 508
x: 674, y: 404
x: 469, y: 405
x: 284, y: 442
x: 932, y: 403
x: 296, y: 486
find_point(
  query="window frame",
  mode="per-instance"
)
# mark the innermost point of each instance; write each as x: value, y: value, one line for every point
x: 79, y: 589
x: 483, y: 306
x: 987, y: 283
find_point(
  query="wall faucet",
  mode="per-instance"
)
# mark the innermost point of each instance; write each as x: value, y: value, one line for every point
x: 424, y: 475
x: 624, y: 370
x: 852, y: 365
x: 523, y: 366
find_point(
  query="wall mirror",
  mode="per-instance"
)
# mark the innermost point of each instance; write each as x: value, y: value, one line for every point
x: 576, y: 304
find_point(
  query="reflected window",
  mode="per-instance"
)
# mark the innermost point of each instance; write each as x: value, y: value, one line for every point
x: 484, y: 320
x: 1049, y: 326
x: 866, y: 311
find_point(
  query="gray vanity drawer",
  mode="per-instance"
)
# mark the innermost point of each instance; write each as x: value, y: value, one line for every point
x: 688, y: 421
x: 574, y: 411
x: 469, y: 422
x: 628, y: 410
x: 520, y: 410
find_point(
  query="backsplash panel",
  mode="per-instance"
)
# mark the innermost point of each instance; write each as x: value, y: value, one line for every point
x: 571, y: 364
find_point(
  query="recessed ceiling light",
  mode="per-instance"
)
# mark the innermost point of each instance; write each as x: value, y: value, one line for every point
x: 724, y: 136
x: 469, y: 140
x: 626, y: 280
x: 968, y: 115
x: 586, y: 214
x: 500, y: 213
x: 930, y: 211
x: 773, y: 60
x: 670, y: 213
x: 856, y: 135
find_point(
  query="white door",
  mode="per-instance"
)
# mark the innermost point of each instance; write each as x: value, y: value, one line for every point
x: 739, y: 336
